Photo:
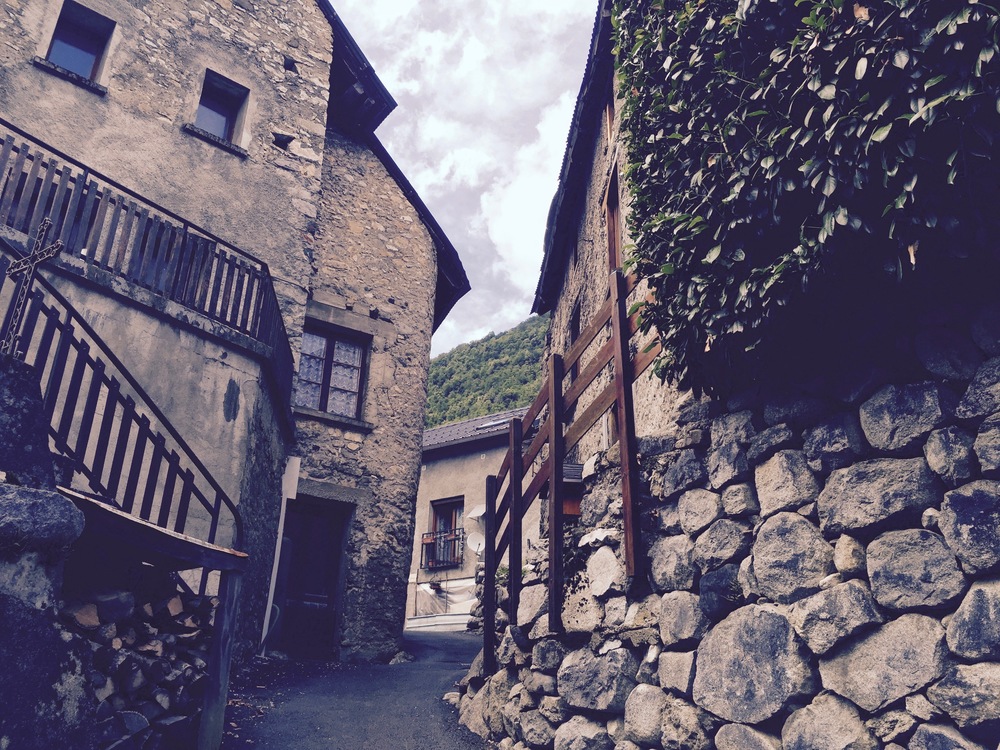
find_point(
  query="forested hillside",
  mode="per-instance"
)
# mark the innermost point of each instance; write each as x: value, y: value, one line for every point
x: 502, y: 371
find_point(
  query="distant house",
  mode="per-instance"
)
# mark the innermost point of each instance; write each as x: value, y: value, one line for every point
x: 451, y: 501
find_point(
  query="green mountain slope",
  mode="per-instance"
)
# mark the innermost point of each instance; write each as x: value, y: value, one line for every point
x: 502, y: 371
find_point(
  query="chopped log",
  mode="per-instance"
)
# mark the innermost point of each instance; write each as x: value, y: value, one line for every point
x: 83, y: 615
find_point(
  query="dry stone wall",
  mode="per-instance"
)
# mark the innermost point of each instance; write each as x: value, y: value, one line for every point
x: 822, y: 573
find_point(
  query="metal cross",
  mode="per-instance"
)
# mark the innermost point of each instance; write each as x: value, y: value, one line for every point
x: 25, y: 268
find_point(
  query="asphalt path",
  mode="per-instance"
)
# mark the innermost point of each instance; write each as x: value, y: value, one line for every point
x: 301, y: 705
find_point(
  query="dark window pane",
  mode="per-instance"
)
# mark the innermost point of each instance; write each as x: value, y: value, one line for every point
x: 79, y: 40
x: 219, y: 106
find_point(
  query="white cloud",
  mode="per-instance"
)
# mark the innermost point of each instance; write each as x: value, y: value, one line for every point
x: 485, y: 92
x: 516, y: 210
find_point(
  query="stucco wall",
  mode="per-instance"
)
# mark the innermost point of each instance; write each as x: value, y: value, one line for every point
x: 453, y: 472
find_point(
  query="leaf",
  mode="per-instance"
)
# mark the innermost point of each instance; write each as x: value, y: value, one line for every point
x: 827, y: 93
x: 901, y: 58
x: 713, y: 254
x: 881, y: 134
x: 861, y: 68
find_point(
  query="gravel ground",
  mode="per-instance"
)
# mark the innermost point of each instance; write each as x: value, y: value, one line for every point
x: 311, y: 705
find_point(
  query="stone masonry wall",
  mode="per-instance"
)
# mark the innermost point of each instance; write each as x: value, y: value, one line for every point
x: 374, y: 271
x: 822, y: 573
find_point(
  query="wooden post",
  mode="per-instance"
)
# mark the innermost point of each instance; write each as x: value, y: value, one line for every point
x: 514, y: 519
x: 626, y: 421
x: 490, y: 580
x: 556, y: 450
x: 214, y: 711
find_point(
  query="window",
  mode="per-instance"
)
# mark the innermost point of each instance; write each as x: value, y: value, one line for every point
x: 444, y: 545
x: 330, y: 376
x: 220, y: 107
x: 80, y: 40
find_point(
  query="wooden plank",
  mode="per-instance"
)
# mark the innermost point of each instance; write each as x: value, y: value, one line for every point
x: 233, y: 315
x: 144, y: 256
x: 43, y: 195
x: 253, y: 282
x: 51, y: 391
x: 556, y: 455
x: 534, y: 488
x: 133, y: 260
x: 219, y: 659
x: 219, y: 268
x: 644, y: 359
x: 535, y: 447
x: 504, y: 468
x: 69, y: 413
x: 184, y: 502
x: 152, y: 475
x: 595, y: 409
x: 122, y: 443
x: 226, y: 299
x: 490, y: 580
x: 142, y: 436
x: 103, y: 255
x: 102, y: 449
x: 536, y: 408
x: 167, y: 496
x: 117, y: 260
x: 10, y: 188
x: 60, y: 196
x: 24, y: 202
x: 5, y: 152
x: 93, y: 240
x: 589, y: 373
x: 626, y: 424
x: 78, y: 240
x: 69, y: 217
x: 86, y: 417
x: 516, y: 513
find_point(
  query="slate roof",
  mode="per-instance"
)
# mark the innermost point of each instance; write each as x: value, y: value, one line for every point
x: 470, y: 430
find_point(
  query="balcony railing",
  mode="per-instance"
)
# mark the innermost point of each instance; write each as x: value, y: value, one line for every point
x: 443, y: 549
x: 112, y: 228
x: 119, y: 442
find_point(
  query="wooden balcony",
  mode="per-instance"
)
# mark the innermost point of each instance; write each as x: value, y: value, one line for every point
x: 107, y: 226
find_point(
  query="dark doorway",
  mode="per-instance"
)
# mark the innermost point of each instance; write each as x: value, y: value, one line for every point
x: 310, y: 576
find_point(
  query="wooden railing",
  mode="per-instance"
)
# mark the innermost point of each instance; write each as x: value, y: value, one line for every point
x: 511, y: 492
x: 112, y: 228
x: 101, y: 418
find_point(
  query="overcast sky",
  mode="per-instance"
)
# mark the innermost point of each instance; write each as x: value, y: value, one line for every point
x: 486, y: 90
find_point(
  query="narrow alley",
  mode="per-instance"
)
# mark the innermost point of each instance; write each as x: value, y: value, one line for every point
x: 301, y: 705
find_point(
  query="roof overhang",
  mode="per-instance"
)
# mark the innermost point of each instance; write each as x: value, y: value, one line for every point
x: 574, y: 178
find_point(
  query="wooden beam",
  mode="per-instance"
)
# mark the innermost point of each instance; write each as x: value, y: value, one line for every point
x: 514, y: 520
x: 556, y: 453
x: 626, y: 422
x: 221, y: 653
x: 490, y: 580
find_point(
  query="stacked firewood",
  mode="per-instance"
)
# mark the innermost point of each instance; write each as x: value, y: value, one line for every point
x: 150, y: 659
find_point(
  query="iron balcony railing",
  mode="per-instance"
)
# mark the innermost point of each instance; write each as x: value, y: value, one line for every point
x: 443, y: 549
x: 112, y: 228
x: 120, y: 443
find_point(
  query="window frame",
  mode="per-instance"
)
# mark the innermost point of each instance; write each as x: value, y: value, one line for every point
x: 74, y: 23
x: 220, y: 90
x: 332, y: 334
x: 444, y: 548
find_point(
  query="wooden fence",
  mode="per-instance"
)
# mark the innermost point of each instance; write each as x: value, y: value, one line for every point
x: 508, y: 497
x: 109, y: 227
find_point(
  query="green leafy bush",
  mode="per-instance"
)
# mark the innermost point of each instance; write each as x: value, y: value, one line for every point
x: 771, y: 142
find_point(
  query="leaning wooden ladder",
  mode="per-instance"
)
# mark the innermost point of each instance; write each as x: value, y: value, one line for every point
x: 507, y: 496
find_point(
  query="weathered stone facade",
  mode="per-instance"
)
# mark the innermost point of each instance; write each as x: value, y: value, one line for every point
x: 819, y: 547
x: 805, y: 598
x: 302, y: 185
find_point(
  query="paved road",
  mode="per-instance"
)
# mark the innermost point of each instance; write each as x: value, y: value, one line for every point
x: 283, y: 705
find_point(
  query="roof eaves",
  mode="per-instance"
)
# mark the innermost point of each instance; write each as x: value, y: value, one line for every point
x: 576, y: 165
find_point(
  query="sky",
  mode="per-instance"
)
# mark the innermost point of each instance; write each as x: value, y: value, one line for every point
x: 486, y: 90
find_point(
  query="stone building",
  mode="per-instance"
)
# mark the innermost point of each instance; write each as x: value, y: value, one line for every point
x: 817, y: 550
x: 448, y: 537
x: 231, y: 223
